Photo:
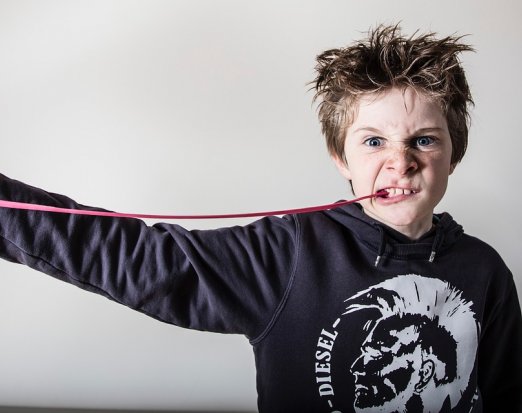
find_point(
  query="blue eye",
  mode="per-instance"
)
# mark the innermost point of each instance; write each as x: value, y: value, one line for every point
x: 373, y: 141
x: 424, y: 140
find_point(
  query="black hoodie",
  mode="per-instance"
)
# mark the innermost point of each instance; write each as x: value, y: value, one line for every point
x: 344, y: 314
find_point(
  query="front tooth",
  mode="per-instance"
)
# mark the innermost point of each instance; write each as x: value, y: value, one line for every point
x: 393, y: 191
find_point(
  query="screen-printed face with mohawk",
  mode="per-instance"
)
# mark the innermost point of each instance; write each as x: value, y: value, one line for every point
x: 399, y: 362
x: 399, y: 143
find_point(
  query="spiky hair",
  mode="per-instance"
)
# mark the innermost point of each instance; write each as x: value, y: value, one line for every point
x: 387, y: 59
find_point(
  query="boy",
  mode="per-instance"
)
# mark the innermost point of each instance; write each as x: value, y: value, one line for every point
x: 377, y: 307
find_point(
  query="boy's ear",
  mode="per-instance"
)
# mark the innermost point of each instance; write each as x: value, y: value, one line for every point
x: 342, y: 166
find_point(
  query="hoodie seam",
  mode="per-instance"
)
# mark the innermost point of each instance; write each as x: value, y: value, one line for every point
x: 288, y: 288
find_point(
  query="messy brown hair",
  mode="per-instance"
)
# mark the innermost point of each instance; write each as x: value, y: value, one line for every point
x: 387, y: 59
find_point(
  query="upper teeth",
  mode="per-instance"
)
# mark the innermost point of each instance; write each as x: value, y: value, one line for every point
x: 399, y: 191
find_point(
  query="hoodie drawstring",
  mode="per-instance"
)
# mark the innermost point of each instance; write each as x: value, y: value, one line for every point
x: 382, y: 245
x: 437, y: 242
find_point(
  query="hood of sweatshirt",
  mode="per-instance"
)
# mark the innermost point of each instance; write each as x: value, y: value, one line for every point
x: 387, y: 243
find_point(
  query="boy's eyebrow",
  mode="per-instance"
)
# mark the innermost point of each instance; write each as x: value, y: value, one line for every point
x: 367, y: 128
x: 418, y: 131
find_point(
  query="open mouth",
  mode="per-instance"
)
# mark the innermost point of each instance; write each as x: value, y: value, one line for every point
x: 393, y: 192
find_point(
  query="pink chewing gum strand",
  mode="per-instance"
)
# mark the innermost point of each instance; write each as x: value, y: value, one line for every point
x: 46, y: 208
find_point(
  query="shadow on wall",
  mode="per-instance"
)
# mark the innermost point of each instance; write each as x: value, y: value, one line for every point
x: 7, y: 409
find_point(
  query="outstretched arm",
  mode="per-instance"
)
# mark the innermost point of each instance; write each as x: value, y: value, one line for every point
x: 224, y: 280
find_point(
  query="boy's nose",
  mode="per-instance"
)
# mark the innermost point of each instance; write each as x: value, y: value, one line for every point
x: 402, y: 161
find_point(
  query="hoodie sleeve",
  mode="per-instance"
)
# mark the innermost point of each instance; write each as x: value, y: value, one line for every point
x: 228, y: 280
x: 500, y: 354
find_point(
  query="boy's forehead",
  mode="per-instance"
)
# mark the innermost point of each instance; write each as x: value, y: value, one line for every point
x: 397, y: 108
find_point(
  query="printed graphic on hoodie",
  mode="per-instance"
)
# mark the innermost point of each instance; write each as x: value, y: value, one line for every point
x: 417, y: 354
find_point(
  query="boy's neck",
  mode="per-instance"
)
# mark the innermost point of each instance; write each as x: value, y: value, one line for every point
x: 412, y: 231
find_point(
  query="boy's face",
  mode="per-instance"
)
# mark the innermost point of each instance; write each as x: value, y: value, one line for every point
x: 399, y: 141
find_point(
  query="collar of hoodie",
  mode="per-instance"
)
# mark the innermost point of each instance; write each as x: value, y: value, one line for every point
x: 438, y: 240
x: 391, y: 244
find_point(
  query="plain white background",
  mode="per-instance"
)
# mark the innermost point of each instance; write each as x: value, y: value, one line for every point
x: 196, y: 106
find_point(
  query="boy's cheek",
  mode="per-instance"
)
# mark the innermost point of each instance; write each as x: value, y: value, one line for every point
x: 361, y: 187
